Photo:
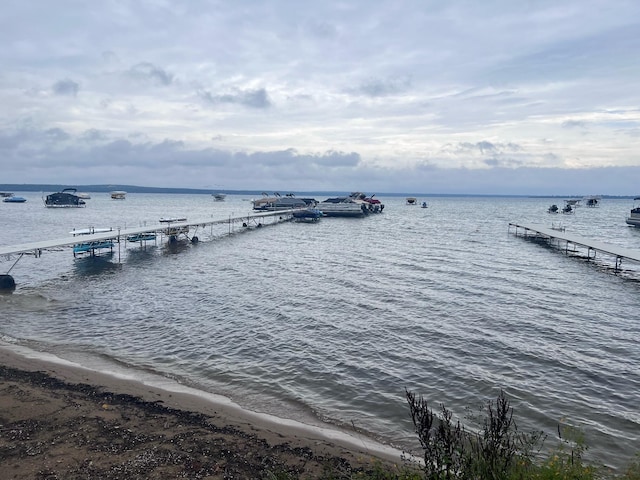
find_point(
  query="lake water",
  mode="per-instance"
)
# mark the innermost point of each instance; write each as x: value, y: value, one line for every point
x: 330, y: 322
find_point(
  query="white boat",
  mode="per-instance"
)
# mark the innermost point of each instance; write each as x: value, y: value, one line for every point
x: 411, y: 200
x: 278, y: 202
x: 342, y: 207
x: 634, y: 217
x: 118, y: 195
x: 219, y: 197
x: 83, y: 195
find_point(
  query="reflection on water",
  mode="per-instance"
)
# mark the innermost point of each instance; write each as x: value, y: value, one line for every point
x: 93, y: 265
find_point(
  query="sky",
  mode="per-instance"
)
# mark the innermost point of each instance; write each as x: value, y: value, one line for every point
x: 427, y: 96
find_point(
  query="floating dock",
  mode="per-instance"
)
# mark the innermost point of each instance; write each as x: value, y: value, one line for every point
x: 558, y: 235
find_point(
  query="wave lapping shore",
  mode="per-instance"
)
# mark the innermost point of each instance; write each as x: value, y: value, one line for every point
x: 57, y: 421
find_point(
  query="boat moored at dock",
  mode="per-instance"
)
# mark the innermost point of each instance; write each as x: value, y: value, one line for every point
x: 355, y: 205
x: 278, y: 202
x: 310, y: 214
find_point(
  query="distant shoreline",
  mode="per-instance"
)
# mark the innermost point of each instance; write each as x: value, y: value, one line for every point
x: 32, y: 187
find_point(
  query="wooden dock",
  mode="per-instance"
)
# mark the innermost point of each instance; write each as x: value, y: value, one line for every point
x: 559, y: 234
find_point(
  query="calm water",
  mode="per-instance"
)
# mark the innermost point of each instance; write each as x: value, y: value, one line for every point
x: 330, y: 322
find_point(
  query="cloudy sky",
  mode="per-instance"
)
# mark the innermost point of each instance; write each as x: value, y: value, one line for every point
x: 422, y: 96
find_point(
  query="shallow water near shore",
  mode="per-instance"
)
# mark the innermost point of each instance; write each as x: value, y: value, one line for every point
x: 330, y: 322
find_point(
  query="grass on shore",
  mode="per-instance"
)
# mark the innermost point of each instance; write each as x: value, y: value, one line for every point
x: 499, y: 451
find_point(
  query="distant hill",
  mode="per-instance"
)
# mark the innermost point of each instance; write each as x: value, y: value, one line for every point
x: 48, y: 188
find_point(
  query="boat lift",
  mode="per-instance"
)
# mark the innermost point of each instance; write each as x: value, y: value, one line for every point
x: 93, y: 239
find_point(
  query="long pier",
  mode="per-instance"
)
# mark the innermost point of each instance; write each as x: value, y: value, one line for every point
x: 100, y: 238
x: 559, y: 234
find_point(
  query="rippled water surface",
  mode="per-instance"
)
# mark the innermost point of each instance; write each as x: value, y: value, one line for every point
x: 330, y: 322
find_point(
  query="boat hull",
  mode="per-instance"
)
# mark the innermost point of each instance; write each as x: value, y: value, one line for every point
x: 341, y: 209
x: 633, y: 221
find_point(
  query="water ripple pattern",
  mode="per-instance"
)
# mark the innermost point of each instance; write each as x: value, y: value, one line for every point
x: 330, y: 322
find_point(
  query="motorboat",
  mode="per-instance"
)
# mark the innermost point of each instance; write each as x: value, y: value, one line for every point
x: 370, y: 204
x: 84, y: 195
x: 5, y: 194
x: 310, y: 214
x: 569, y: 208
x: 553, y: 209
x: 118, y: 195
x: 424, y: 205
x: 219, y: 197
x: 592, y: 201
x: 66, y: 198
x: 14, y: 199
x: 634, y: 217
x: 278, y: 202
x: 342, y: 207
x: 411, y: 200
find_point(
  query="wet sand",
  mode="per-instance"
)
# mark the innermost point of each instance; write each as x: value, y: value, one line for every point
x: 58, y: 421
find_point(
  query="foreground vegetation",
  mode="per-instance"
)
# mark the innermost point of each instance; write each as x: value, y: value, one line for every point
x: 498, y: 451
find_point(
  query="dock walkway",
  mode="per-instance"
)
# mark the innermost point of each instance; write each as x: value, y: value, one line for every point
x: 117, y: 234
x: 559, y: 234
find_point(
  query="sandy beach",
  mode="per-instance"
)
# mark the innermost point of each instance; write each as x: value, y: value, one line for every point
x: 58, y: 421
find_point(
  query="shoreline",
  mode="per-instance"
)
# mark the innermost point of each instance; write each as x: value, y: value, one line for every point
x: 104, y: 406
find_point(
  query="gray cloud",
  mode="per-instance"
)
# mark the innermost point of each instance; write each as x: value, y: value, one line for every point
x: 66, y: 87
x: 258, y: 98
x: 370, y: 94
x: 149, y: 72
x: 383, y: 88
x: 574, y: 124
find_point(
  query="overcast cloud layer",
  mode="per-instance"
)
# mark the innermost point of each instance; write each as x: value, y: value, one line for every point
x: 510, y: 97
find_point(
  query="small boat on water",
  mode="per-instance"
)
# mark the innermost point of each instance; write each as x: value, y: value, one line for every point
x: 592, y: 201
x: 411, y: 200
x: 634, y: 217
x: 14, y: 199
x: 553, y: 209
x: 219, y: 197
x: 66, y: 198
x: 84, y: 195
x: 569, y: 207
x: 5, y: 194
x: 424, y: 205
x: 118, y: 195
